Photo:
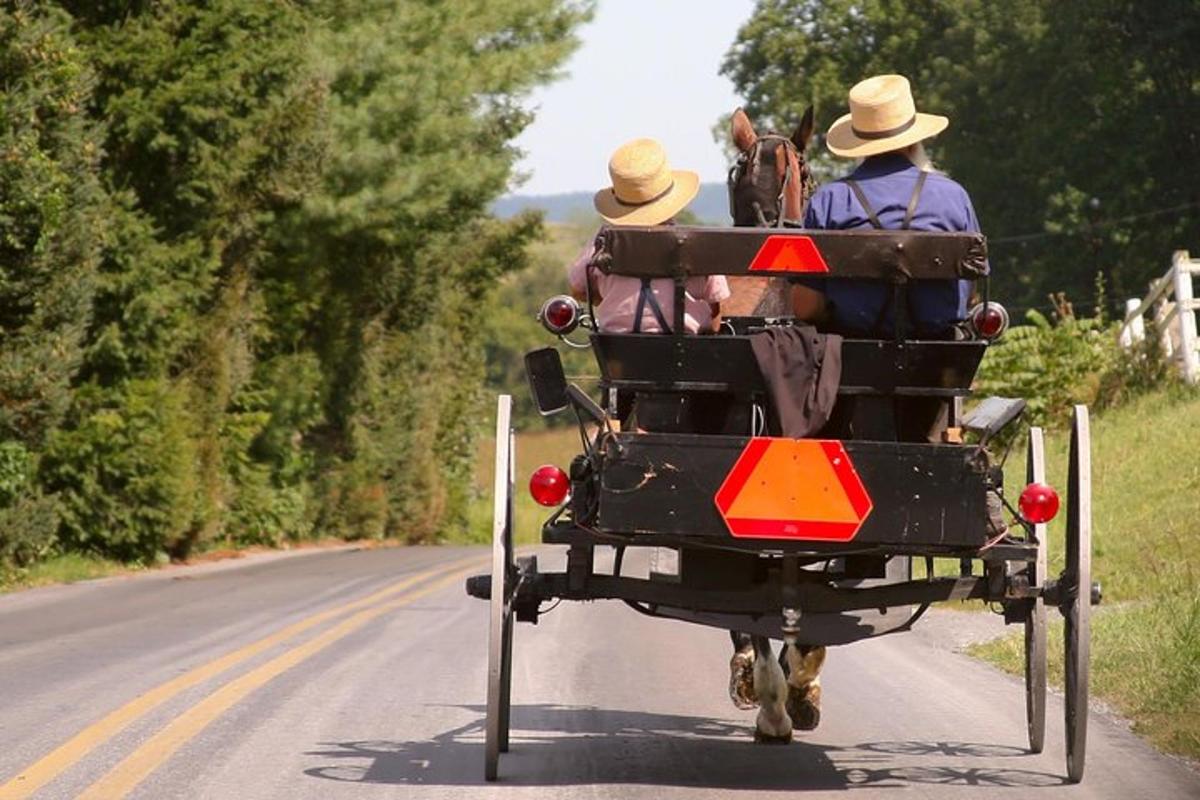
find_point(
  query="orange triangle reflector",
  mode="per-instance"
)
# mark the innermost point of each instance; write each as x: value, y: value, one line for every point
x: 793, y: 489
x: 789, y: 254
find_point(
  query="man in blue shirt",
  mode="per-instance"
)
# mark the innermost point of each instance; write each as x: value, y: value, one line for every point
x: 894, y: 188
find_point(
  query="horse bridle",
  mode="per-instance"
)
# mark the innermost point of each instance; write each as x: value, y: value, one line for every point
x: 750, y: 159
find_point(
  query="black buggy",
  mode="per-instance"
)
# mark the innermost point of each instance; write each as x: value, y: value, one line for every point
x: 806, y: 540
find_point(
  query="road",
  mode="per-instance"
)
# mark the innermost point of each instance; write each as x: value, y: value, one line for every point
x: 360, y: 674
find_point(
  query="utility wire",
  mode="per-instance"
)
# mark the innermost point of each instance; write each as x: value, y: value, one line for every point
x: 1026, y: 237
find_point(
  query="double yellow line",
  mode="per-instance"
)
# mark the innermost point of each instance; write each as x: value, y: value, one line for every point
x: 125, y: 776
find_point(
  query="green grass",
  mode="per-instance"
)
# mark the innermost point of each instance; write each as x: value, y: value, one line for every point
x: 1146, y: 554
x: 554, y: 446
x: 67, y: 568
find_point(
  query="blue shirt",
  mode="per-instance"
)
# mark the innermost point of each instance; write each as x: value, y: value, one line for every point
x: 888, y: 181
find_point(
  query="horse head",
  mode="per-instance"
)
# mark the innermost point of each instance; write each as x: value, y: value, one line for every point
x: 768, y: 186
x: 770, y: 182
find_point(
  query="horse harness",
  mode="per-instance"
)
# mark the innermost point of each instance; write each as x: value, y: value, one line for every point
x: 750, y: 160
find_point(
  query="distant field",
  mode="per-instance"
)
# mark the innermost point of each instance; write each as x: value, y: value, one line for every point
x: 554, y: 446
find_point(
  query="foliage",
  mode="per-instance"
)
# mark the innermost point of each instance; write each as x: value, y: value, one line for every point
x: 244, y: 245
x: 125, y: 467
x: 1065, y: 118
x: 511, y: 328
x: 1053, y: 363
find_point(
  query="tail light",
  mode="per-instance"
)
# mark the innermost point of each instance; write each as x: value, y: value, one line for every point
x: 988, y: 320
x: 1038, y: 503
x: 549, y: 485
x: 559, y: 314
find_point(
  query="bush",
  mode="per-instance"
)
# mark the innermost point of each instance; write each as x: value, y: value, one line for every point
x: 125, y: 470
x: 27, y: 518
x: 1053, y: 363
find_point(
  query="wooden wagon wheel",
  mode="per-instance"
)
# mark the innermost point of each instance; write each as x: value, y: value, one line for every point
x: 1035, y: 623
x: 500, y: 630
x: 1077, y: 592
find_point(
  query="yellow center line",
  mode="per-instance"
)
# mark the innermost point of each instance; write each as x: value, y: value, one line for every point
x: 53, y: 764
x: 125, y: 776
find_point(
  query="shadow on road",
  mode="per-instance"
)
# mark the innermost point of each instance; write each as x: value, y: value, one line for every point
x: 566, y: 745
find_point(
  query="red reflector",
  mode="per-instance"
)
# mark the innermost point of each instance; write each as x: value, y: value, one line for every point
x: 560, y: 314
x: 1038, y: 503
x: 788, y: 254
x: 549, y: 485
x: 989, y: 320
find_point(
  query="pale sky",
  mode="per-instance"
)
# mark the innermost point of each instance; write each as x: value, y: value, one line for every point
x: 644, y: 68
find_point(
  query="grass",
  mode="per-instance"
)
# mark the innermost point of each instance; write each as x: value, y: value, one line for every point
x: 66, y: 568
x: 1146, y: 554
x: 553, y: 446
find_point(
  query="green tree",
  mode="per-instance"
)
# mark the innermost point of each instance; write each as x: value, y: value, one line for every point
x: 1067, y: 118
x: 51, y: 219
x: 397, y: 248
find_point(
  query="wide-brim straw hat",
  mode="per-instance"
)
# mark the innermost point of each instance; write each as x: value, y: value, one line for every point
x: 883, y: 117
x: 645, y: 190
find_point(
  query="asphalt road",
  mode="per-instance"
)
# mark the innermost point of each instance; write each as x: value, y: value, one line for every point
x: 360, y: 674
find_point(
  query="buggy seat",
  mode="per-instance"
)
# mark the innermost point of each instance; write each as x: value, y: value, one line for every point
x: 871, y: 368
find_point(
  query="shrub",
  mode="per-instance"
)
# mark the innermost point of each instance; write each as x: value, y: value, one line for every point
x: 27, y: 518
x: 125, y: 469
x: 1053, y: 363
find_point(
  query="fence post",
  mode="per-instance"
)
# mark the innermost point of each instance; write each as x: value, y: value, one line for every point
x: 1187, y: 316
x: 1134, y: 329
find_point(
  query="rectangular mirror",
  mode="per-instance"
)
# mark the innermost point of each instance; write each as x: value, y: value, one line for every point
x: 547, y: 381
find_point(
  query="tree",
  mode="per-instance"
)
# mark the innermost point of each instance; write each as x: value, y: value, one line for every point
x: 1065, y: 118
x: 52, y: 209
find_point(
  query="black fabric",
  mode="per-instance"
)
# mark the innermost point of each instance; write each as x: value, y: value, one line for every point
x: 802, y: 369
x: 691, y: 412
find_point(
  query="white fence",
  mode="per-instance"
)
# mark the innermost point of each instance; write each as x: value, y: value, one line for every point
x: 1172, y: 305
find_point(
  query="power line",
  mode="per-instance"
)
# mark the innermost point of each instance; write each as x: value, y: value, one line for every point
x: 1026, y: 237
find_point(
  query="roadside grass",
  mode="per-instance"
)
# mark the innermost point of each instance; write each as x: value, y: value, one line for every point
x: 65, y: 568
x: 1146, y: 554
x: 552, y: 446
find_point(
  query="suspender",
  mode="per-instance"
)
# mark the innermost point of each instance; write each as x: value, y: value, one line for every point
x: 909, y: 212
x: 875, y: 223
x: 646, y: 296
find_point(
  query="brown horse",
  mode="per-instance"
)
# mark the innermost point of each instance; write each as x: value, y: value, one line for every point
x: 768, y: 187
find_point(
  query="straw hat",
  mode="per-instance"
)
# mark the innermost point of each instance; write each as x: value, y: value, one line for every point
x: 645, y: 190
x: 882, y: 117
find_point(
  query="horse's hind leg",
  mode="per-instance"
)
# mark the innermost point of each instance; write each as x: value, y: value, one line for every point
x: 804, y: 685
x: 741, y: 672
x: 773, y: 723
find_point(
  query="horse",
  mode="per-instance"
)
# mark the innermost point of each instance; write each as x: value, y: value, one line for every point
x: 769, y: 186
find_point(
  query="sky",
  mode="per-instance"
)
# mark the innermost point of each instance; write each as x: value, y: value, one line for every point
x: 644, y: 68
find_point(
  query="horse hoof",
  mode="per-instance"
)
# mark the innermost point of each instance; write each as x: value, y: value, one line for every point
x: 741, y: 680
x: 804, y: 707
x: 769, y: 738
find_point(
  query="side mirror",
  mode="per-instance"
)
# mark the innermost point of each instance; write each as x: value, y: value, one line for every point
x: 547, y: 381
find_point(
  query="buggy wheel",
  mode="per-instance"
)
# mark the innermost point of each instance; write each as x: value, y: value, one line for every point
x: 500, y: 629
x: 1035, y: 622
x: 1077, y: 594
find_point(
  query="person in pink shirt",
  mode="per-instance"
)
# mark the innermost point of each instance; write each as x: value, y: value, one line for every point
x: 646, y: 191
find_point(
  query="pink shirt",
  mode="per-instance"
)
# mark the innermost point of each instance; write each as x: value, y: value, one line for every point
x: 620, y: 295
